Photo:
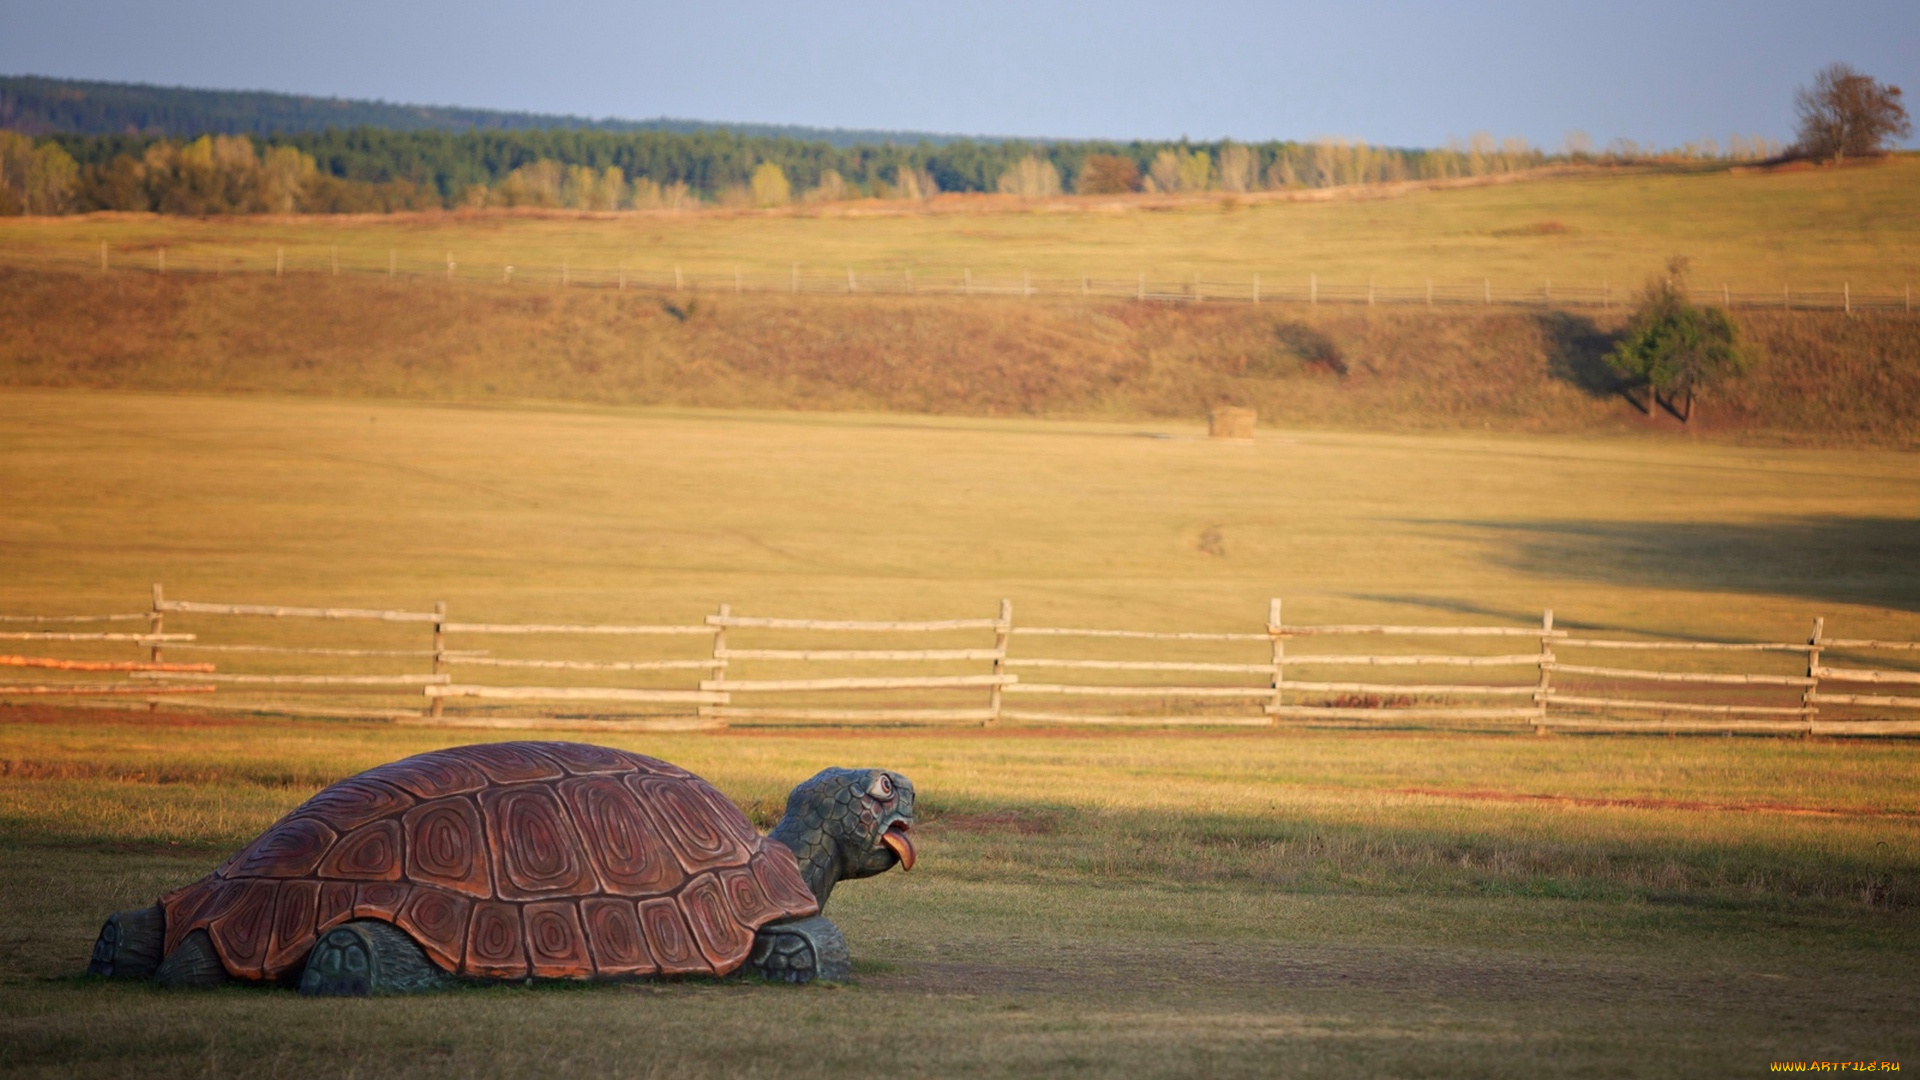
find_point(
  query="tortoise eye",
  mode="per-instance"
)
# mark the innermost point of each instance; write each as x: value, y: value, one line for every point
x: 882, y: 787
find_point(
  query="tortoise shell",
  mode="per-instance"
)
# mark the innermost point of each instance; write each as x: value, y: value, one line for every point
x: 506, y: 860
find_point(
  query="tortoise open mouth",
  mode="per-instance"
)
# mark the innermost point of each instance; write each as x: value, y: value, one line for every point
x: 899, y: 843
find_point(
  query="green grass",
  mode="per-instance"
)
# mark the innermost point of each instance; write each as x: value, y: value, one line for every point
x: 1093, y: 904
x: 1811, y: 229
x: 1157, y: 905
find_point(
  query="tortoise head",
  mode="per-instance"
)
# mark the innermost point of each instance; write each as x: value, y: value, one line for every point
x: 848, y: 823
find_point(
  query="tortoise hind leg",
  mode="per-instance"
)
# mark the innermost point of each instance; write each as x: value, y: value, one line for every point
x: 192, y: 965
x: 801, y: 950
x: 130, y: 944
x: 368, y: 958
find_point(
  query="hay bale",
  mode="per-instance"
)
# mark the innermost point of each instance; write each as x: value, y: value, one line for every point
x: 1229, y: 422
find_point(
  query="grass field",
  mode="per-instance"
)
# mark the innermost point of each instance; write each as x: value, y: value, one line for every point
x: 1757, y: 230
x: 611, y: 515
x: 1249, y: 904
x: 1154, y: 905
x: 1089, y: 905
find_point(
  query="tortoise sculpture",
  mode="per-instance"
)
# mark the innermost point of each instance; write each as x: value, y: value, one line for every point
x: 522, y: 860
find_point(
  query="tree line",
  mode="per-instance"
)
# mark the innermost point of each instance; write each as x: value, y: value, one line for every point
x: 376, y: 170
x: 367, y: 169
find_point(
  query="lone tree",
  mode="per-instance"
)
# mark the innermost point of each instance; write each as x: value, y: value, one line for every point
x: 1845, y: 113
x: 1675, y: 349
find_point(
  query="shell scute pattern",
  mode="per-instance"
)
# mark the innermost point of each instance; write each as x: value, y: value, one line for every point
x: 447, y: 846
x: 669, y: 939
x: 556, y: 946
x: 506, y: 860
x: 614, y: 938
x: 350, y: 804
x: 494, y: 945
x: 293, y: 920
x: 246, y: 927
x: 369, y: 853
x: 437, y: 919
x: 510, y: 763
x: 631, y: 855
x: 290, y: 849
x: 539, y: 850
x: 695, y: 825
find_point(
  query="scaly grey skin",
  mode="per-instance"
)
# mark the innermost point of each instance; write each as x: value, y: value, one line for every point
x: 847, y: 823
x: 841, y: 824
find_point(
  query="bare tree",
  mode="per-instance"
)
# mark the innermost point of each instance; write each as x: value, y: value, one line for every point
x: 1845, y: 112
x: 1031, y: 177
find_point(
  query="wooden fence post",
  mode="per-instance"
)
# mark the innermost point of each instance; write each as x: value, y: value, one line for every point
x: 1846, y: 296
x: 279, y: 260
x: 850, y: 285
x: 103, y: 257
x: 679, y: 284
x: 1813, y: 671
x: 1279, y: 658
x: 439, y: 644
x: 156, y: 620
x: 720, y: 645
x: 1486, y: 285
x: 1002, y: 631
x: 1546, y: 671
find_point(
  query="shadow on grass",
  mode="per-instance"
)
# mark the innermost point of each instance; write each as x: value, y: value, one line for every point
x: 1577, y: 355
x: 1857, y: 560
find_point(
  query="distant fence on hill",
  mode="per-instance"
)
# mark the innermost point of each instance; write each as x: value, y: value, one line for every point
x: 1304, y: 287
x: 743, y: 670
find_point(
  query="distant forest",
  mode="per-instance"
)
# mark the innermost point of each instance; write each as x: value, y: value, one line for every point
x: 203, y: 152
x: 36, y: 105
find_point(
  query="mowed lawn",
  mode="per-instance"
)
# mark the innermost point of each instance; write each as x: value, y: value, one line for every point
x: 1266, y: 902
x: 1755, y: 230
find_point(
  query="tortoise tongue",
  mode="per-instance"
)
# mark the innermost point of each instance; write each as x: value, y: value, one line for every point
x: 898, y: 842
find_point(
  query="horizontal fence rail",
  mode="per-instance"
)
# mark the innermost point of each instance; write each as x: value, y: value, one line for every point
x: 1303, y: 287
x: 770, y: 670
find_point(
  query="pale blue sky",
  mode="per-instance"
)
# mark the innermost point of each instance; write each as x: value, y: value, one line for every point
x: 1397, y: 73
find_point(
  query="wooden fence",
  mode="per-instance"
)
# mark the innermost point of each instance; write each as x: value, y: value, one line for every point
x: 730, y: 669
x: 1297, y: 287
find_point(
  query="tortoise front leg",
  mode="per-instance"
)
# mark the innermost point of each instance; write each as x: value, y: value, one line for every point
x: 368, y: 958
x: 801, y: 950
x: 129, y: 944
